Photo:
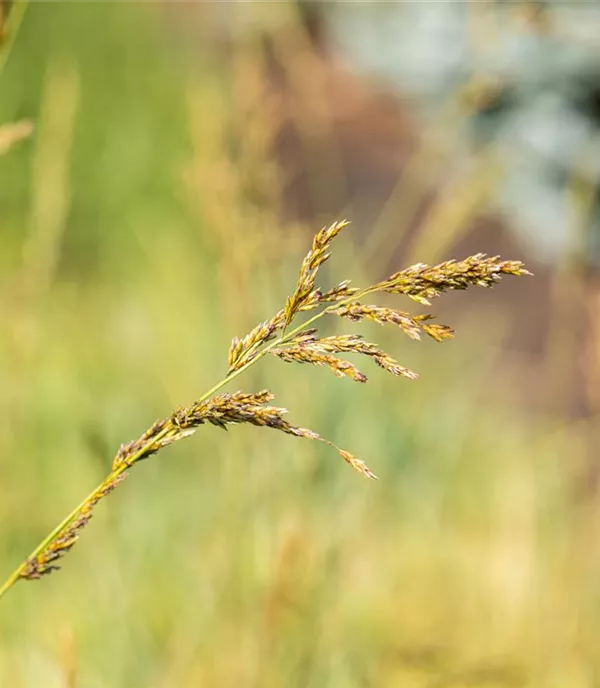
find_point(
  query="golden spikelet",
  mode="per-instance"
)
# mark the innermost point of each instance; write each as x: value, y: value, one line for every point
x: 309, y: 354
x: 241, y: 350
x: 319, y: 352
x: 413, y: 326
x: 309, y: 268
x: 357, y: 464
x: 229, y: 409
x: 423, y: 282
x: 44, y: 561
x: 144, y: 446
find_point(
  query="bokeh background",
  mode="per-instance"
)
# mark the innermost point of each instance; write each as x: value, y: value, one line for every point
x: 163, y: 168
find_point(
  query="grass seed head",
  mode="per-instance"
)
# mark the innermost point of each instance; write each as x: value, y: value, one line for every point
x: 318, y: 254
x: 424, y: 282
x: 301, y: 345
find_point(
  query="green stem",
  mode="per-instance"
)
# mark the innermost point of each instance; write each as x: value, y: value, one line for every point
x: 10, y: 581
x: 16, y: 574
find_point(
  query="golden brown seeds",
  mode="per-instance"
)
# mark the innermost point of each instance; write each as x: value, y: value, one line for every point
x: 410, y: 325
x: 305, y: 353
x: 143, y: 444
x: 438, y: 332
x: 423, y: 282
x: 357, y: 464
x: 304, y: 293
x: 353, y: 343
x: 43, y: 562
x: 227, y: 409
x: 241, y: 350
x: 341, y: 291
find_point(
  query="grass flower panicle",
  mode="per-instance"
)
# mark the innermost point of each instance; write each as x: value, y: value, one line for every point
x: 300, y: 344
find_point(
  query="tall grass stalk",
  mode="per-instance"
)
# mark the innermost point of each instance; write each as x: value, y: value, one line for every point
x: 300, y: 343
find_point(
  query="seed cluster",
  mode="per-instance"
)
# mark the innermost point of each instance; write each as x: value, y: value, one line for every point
x: 424, y: 282
x: 413, y: 325
x: 309, y: 349
x: 242, y: 351
x: 318, y: 254
x: 143, y: 447
x: 305, y: 297
x: 44, y: 561
x: 228, y: 409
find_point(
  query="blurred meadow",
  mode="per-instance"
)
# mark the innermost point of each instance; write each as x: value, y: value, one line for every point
x: 163, y: 167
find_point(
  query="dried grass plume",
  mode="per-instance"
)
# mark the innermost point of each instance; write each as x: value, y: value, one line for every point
x: 291, y: 338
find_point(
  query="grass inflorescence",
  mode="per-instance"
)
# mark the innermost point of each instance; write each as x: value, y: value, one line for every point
x: 301, y: 343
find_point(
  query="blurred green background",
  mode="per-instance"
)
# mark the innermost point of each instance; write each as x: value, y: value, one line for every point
x: 162, y: 205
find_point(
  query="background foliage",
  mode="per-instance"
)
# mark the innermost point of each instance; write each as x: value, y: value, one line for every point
x: 134, y: 245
